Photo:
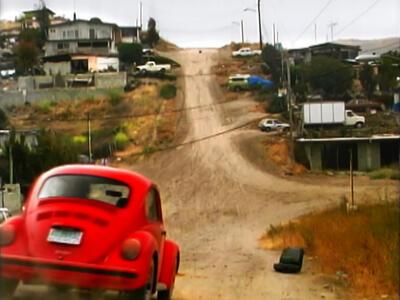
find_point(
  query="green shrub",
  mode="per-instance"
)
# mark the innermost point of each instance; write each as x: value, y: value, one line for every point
x: 165, y: 60
x: 115, y: 97
x: 168, y: 91
x: 45, y: 106
x: 79, y: 139
x: 121, y: 140
x: 385, y: 173
x: 3, y: 119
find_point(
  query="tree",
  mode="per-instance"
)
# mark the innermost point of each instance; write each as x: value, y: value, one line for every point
x: 151, y: 37
x: 272, y: 58
x: 329, y: 76
x: 130, y: 53
x: 368, y: 80
x: 27, y: 56
x: 3, y: 119
x: 389, y: 70
x: 52, y: 150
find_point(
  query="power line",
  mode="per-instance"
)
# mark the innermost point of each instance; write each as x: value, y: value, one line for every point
x: 358, y: 17
x: 313, y: 20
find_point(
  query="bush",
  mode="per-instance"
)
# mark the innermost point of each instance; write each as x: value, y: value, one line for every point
x: 385, y: 173
x: 165, y: 60
x: 276, y: 105
x: 115, y: 97
x: 45, y: 106
x: 121, y: 140
x: 79, y: 139
x: 168, y: 91
x: 3, y: 119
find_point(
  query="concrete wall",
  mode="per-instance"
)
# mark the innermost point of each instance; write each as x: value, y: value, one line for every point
x: 12, y: 198
x: 102, y: 80
x: 369, y: 155
x: 314, y: 155
x: 110, y: 80
x: 54, y: 68
x: 8, y: 98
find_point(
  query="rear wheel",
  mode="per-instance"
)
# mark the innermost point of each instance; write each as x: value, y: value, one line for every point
x: 167, y: 294
x: 7, y: 287
x: 145, y: 292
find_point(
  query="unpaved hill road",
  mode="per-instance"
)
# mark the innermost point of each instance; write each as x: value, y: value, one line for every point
x: 218, y: 204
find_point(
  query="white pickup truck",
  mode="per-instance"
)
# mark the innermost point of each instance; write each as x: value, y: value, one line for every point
x: 243, y: 52
x: 152, y: 67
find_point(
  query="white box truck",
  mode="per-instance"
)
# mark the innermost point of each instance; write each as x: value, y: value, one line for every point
x: 330, y: 113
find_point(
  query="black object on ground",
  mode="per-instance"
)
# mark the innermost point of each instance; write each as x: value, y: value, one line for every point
x: 291, y: 261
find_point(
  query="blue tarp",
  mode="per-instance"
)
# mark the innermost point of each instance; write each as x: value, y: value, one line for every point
x: 260, y: 82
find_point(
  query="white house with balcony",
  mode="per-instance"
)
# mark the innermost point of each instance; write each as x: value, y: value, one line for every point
x: 82, y: 46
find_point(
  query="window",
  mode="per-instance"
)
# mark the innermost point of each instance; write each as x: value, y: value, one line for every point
x: 86, y: 187
x: 64, y: 34
x: 91, y: 34
x: 61, y: 46
x: 84, y: 45
x: 152, y: 206
x: 76, y: 34
x: 349, y: 114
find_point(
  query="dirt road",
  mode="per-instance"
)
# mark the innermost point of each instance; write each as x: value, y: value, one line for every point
x: 218, y: 203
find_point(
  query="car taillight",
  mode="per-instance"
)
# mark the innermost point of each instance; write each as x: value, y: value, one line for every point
x: 131, y: 249
x: 7, y: 235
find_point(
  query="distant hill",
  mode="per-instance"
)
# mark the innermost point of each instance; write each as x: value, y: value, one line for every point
x: 378, y: 46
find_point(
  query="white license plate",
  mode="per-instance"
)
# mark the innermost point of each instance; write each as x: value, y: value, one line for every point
x: 65, y: 236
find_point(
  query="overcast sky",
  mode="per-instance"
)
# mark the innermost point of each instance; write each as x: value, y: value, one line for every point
x: 213, y: 23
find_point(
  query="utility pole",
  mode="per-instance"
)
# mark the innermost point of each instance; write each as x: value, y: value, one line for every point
x: 242, y: 30
x: 315, y: 32
x: 289, y: 106
x: 11, y: 163
x: 331, y: 25
x: 141, y: 15
x: 89, y: 138
x: 273, y: 30
x: 259, y: 23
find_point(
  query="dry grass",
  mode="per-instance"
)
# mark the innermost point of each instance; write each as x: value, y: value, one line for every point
x: 277, y: 151
x: 364, y: 244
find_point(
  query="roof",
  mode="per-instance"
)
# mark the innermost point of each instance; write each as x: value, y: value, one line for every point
x: 351, y: 139
x: 35, y: 11
x: 94, y: 21
x: 129, y: 177
x: 334, y: 45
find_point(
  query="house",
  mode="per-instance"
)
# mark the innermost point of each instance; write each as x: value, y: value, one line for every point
x: 30, y: 17
x: 9, y: 33
x: 130, y: 34
x: 82, y: 46
x: 335, y: 50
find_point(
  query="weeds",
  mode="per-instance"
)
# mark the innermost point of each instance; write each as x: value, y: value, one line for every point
x: 385, y: 173
x: 364, y: 244
x: 115, y: 97
x: 168, y: 91
x: 121, y: 140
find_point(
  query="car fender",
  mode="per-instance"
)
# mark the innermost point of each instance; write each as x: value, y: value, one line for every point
x: 170, y: 264
x: 19, y: 245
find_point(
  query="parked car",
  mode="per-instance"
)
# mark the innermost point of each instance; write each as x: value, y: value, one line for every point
x: 244, y: 52
x: 152, y: 67
x: 147, y: 51
x: 4, y: 214
x: 90, y: 227
x: 239, y: 82
x: 272, y: 124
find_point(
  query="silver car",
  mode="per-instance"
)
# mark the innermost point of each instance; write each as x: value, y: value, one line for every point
x: 272, y: 124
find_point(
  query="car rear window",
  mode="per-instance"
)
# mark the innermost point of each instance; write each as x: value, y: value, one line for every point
x: 86, y: 187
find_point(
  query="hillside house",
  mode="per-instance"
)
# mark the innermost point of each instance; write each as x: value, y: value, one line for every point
x: 82, y: 46
x: 335, y: 50
x: 130, y: 34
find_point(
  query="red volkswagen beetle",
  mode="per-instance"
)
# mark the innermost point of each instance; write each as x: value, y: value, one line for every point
x: 90, y: 227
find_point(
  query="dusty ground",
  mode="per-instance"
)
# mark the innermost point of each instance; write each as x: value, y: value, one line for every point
x: 218, y: 203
